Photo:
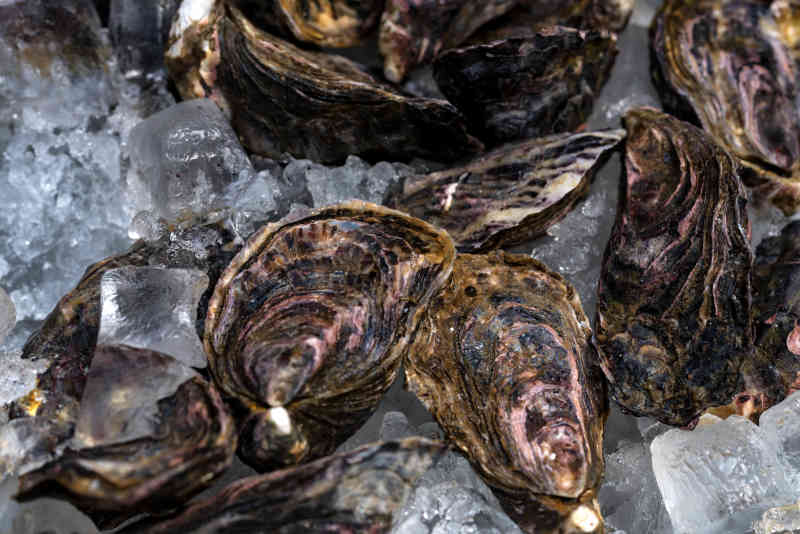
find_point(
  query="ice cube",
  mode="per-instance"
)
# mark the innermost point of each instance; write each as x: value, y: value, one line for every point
x: 139, y: 32
x: 184, y: 159
x: 39, y: 516
x: 8, y: 314
x: 153, y: 308
x: 719, y: 477
x: 17, y: 376
x: 781, y: 426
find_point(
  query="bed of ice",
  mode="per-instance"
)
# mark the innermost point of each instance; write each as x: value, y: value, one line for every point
x: 89, y: 165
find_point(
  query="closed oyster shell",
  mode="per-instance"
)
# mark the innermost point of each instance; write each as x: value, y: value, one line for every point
x: 511, y: 194
x: 733, y: 65
x: 673, y: 315
x: 193, y: 441
x: 504, y: 361
x: 320, y: 106
x: 611, y: 15
x: 776, y: 307
x: 525, y: 87
x: 307, y: 324
x: 358, y: 491
x: 414, y: 32
x: 333, y: 23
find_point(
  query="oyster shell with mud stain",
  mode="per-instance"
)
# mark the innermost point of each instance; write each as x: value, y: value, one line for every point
x: 511, y: 194
x: 529, y: 86
x: 333, y: 23
x: 673, y: 315
x: 734, y: 66
x: 414, y: 32
x: 776, y: 307
x: 320, y: 106
x: 307, y: 324
x: 358, y: 491
x: 177, y: 450
x: 505, y: 362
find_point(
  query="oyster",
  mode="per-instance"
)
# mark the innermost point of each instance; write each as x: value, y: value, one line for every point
x: 504, y: 361
x: 509, y: 195
x: 525, y: 87
x: 776, y: 307
x: 333, y: 23
x: 414, y: 32
x: 192, y: 440
x: 315, y: 105
x: 358, y: 491
x: 733, y: 65
x: 307, y: 324
x: 673, y: 315
x: 610, y: 15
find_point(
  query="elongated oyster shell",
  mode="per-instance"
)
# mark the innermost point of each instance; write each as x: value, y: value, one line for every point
x: 526, y: 87
x: 321, y: 106
x: 509, y: 195
x: 414, y: 32
x: 307, y: 324
x: 334, y: 23
x: 504, y: 361
x: 192, y: 442
x: 358, y: 491
x: 673, y: 315
x: 734, y: 65
x: 776, y: 307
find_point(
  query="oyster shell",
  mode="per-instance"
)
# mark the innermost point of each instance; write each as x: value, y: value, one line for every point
x: 414, y: 32
x: 307, y: 324
x: 315, y: 105
x: 358, y: 491
x: 509, y: 195
x: 333, y: 23
x: 776, y: 308
x: 673, y: 316
x: 193, y: 440
x: 733, y: 65
x: 504, y: 361
x: 519, y: 88
x: 611, y: 15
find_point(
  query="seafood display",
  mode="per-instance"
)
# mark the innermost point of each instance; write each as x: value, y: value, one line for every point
x: 511, y: 194
x: 733, y: 67
x: 504, y: 361
x: 673, y: 318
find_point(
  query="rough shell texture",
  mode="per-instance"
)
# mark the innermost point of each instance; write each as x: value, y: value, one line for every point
x: 311, y: 104
x: 334, y: 23
x: 776, y: 307
x: 673, y: 318
x: 611, y: 15
x: 509, y: 195
x: 307, y: 324
x: 504, y: 361
x: 194, y: 441
x: 734, y: 65
x: 414, y: 32
x: 358, y: 491
x: 527, y: 87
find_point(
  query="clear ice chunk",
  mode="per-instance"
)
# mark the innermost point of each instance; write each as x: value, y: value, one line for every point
x: 185, y: 159
x: 17, y: 376
x: 123, y: 387
x: 8, y: 314
x: 40, y: 516
x: 781, y: 426
x: 719, y: 477
x: 153, y: 308
x: 29, y: 442
x: 779, y: 520
x: 139, y: 32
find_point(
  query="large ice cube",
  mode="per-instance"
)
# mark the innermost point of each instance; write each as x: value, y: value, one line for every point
x: 781, y: 426
x: 185, y: 158
x: 719, y: 477
x: 153, y: 308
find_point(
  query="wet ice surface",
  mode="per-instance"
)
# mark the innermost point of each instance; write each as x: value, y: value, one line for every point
x: 17, y: 376
x: 153, y: 308
x: 8, y: 315
x: 139, y: 32
x: 779, y: 520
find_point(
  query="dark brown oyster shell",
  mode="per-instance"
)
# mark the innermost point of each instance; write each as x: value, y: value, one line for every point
x: 776, y: 307
x: 733, y: 64
x: 193, y: 441
x: 611, y: 15
x: 510, y: 195
x: 414, y: 32
x: 333, y: 23
x: 358, y: 491
x: 505, y: 362
x: 673, y: 316
x: 307, y: 325
x: 527, y: 87
x: 311, y: 104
